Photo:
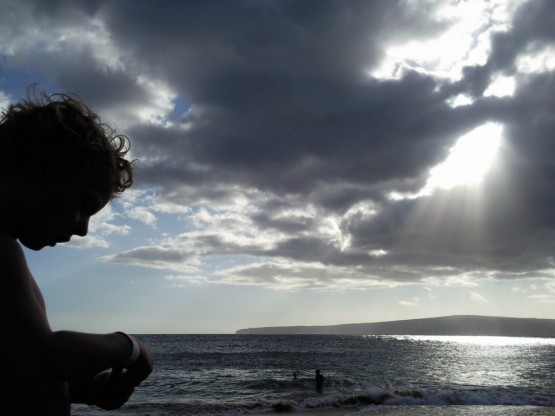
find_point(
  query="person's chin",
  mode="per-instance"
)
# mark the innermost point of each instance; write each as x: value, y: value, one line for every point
x: 36, y: 245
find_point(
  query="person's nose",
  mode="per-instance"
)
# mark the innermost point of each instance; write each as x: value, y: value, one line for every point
x: 81, y: 228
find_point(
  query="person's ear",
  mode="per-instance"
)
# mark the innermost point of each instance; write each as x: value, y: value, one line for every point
x: 60, y: 166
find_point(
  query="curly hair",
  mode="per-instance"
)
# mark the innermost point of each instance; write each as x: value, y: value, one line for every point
x: 59, y: 131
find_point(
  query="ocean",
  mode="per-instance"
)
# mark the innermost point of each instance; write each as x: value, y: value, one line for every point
x: 256, y: 374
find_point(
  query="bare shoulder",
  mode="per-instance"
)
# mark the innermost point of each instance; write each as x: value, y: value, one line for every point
x: 17, y: 284
x: 12, y: 258
x: 9, y: 249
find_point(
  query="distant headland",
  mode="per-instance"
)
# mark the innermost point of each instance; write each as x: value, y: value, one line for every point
x: 446, y: 325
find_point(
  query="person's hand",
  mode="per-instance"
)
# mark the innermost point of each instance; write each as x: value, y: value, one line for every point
x: 107, y: 392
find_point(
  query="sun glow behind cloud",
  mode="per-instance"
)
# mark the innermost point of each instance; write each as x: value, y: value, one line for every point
x: 468, y: 162
x: 536, y: 60
x: 501, y: 87
x: 466, y: 42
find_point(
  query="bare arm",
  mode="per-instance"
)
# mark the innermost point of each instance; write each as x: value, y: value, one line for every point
x: 35, y: 352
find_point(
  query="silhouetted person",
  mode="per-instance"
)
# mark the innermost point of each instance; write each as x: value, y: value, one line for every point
x: 319, y: 381
x: 59, y: 165
x: 295, y: 375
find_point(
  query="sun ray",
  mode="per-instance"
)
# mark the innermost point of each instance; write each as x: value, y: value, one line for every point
x: 449, y: 213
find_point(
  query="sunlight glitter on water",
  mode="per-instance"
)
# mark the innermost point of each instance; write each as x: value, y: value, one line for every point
x: 481, y: 340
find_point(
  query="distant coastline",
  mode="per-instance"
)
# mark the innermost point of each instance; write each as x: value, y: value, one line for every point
x: 446, y: 325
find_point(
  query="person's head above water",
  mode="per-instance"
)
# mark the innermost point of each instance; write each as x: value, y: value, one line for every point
x: 59, y: 165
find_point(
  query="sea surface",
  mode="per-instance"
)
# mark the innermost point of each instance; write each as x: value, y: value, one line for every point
x: 254, y: 374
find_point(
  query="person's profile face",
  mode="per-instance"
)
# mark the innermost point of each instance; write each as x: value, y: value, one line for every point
x: 57, y: 211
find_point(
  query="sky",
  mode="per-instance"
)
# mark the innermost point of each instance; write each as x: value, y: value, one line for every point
x: 302, y: 162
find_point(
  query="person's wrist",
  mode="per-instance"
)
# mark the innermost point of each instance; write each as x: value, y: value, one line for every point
x: 135, y: 351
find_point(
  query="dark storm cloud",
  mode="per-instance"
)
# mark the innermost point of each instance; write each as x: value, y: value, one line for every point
x: 282, y: 106
x: 285, y: 106
x: 283, y: 89
x: 368, y: 142
x: 284, y: 94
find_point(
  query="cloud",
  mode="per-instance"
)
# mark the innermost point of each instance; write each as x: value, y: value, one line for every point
x: 477, y: 297
x: 184, y: 280
x: 409, y: 303
x: 282, y: 275
x: 264, y: 130
x: 547, y: 295
x: 143, y: 215
x: 161, y: 256
x: 89, y: 242
x: 341, y: 141
x: 4, y: 101
x: 542, y: 298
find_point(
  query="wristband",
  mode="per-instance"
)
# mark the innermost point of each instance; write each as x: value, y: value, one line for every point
x: 135, y: 352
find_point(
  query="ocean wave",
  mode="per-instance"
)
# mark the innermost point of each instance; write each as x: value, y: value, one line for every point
x: 448, y: 396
